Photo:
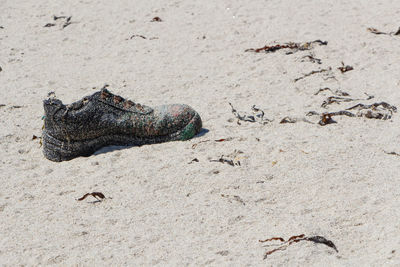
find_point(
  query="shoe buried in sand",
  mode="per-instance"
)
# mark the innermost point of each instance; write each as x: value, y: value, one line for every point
x: 104, y: 119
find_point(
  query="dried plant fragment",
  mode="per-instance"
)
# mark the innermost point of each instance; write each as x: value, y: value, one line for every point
x: 193, y: 160
x: 312, y: 73
x: 335, y: 99
x: 345, y: 68
x: 338, y: 100
x: 294, y: 47
x: 272, y: 239
x: 66, y: 21
x: 381, y: 110
x: 288, y: 119
x: 322, y: 240
x: 232, y: 159
x: 336, y: 92
x: 228, y: 161
x: 295, y: 239
x: 392, y: 153
x: 138, y: 35
x: 311, y: 59
x: 258, y: 115
x: 97, y: 195
x: 61, y: 17
x: 376, y: 31
x: 156, y: 19
x: 326, y: 118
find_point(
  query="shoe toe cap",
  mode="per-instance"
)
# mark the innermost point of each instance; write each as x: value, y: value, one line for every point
x: 182, y: 118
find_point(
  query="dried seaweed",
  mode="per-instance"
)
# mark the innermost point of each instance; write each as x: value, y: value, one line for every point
x: 295, y: 239
x: 232, y: 159
x: 258, y: 116
x: 381, y: 110
x: 272, y: 239
x: 288, y: 119
x: 61, y: 17
x: 367, y: 111
x: 66, y: 24
x: 312, y: 73
x: 392, y: 153
x: 193, y: 160
x: 66, y: 21
x: 336, y: 92
x: 376, y: 31
x: 224, y: 160
x: 97, y: 195
x: 156, y: 19
x: 311, y: 59
x: 338, y: 100
x: 138, y: 35
x: 326, y: 117
x: 335, y: 99
x: 345, y: 68
x: 374, y: 106
x: 294, y: 47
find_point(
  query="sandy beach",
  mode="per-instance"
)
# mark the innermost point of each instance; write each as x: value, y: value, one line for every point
x: 280, y: 164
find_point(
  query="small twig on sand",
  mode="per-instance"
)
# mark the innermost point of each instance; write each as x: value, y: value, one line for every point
x: 295, y: 239
x: 336, y: 92
x: 97, y: 195
x: 312, y: 73
x: 376, y: 31
x: 294, y: 47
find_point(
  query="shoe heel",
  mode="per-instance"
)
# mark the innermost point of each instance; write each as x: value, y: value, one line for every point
x: 56, y: 150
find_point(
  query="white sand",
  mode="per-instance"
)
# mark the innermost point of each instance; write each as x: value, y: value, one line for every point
x: 335, y: 181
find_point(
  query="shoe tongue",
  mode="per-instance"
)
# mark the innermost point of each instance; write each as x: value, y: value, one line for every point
x: 119, y: 102
x: 52, y: 105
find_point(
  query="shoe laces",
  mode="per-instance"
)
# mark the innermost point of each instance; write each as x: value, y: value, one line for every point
x: 119, y: 101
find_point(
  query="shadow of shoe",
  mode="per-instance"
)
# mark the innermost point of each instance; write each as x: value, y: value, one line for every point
x: 107, y: 149
x: 202, y: 132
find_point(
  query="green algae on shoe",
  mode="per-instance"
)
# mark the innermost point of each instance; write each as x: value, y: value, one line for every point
x: 104, y: 119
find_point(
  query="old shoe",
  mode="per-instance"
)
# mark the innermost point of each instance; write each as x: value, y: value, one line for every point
x: 104, y: 119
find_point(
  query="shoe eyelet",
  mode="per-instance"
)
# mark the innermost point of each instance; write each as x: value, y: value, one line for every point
x: 139, y: 107
x: 117, y: 99
x: 128, y: 104
x: 104, y: 94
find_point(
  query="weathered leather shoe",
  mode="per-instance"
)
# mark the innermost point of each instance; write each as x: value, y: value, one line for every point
x: 104, y: 119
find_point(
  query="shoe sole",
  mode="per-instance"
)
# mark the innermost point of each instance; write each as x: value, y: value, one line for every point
x: 56, y: 150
